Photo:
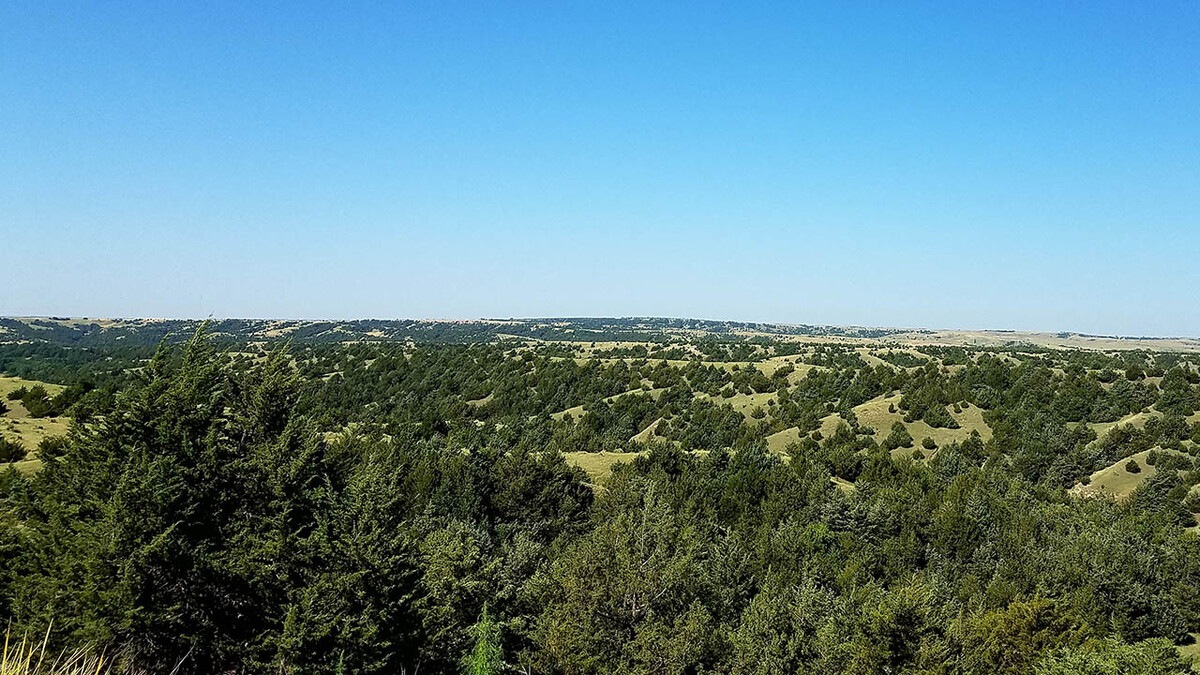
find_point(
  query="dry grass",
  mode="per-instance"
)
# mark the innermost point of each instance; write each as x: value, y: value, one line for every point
x: 28, y: 657
x: 831, y: 423
x: 1192, y: 651
x: 843, y: 484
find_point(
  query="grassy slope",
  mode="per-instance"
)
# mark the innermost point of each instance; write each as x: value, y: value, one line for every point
x: 1137, y: 419
x: 598, y: 465
x: 779, y: 441
x: 874, y: 413
x: 646, y: 434
x: 1115, y: 481
x: 17, y: 424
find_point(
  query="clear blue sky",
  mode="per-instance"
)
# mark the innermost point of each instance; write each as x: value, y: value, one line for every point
x: 1015, y: 165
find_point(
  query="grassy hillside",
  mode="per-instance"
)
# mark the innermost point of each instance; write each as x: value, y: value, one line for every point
x: 16, y: 424
x: 877, y: 415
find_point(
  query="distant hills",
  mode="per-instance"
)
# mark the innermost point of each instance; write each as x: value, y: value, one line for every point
x: 98, y: 332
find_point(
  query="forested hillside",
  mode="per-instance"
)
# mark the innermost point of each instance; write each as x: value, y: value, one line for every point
x: 658, y: 499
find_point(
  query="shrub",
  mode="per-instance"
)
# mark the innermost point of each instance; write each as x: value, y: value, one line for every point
x: 898, y: 438
x: 928, y: 443
x: 1132, y: 466
x: 51, y: 447
x: 1192, y: 502
x: 11, y: 451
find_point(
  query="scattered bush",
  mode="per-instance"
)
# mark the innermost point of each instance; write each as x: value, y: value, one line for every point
x: 12, y: 450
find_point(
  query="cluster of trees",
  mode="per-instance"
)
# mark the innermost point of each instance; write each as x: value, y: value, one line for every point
x: 39, y: 403
x: 407, y: 508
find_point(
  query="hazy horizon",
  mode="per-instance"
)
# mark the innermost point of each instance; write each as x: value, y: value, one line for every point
x: 500, y: 318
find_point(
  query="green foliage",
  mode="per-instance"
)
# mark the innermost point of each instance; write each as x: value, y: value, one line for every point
x: 378, y: 508
x: 12, y: 450
x: 486, y: 656
x: 898, y: 437
x: 1111, y: 657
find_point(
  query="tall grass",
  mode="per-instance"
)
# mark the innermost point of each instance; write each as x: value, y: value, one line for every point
x: 30, y: 658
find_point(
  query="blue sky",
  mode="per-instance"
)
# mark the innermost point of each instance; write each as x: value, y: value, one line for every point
x: 969, y: 165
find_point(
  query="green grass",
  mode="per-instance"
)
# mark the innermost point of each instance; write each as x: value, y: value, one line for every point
x: 743, y: 403
x: 578, y: 410
x: 1115, y: 481
x: 779, y: 441
x: 1137, y: 419
x: 16, y: 424
x: 598, y: 465
x: 1192, y: 651
x: 646, y: 434
x: 875, y: 414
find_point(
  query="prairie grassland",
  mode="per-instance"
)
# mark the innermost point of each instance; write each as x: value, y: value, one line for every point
x: 743, y: 403
x: 876, y: 414
x: 1137, y: 419
x: 1116, y: 481
x: 780, y: 440
x: 17, y: 425
x: 578, y: 411
x: 646, y: 434
x: 598, y: 465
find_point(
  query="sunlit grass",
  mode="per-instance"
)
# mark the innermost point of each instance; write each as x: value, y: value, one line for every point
x: 29, y: 657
